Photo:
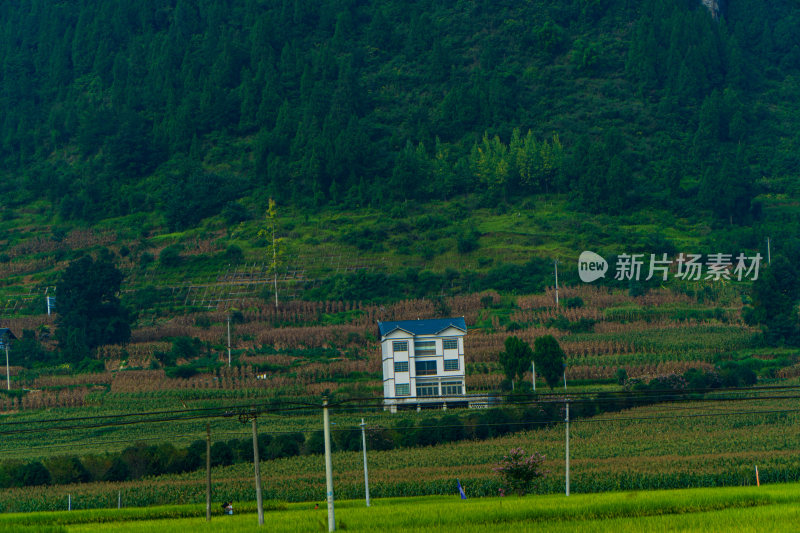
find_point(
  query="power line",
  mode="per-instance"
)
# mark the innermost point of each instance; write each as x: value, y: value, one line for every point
x: 281, y: 407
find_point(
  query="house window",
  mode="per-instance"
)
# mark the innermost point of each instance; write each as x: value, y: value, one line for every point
x: 428, y: 389
x: 425, y: 347
x: 401, y: 389
x: 401, y: 366
x: 450, y: 344
x: 451, y: 388
x: 450, y: 364
x: 425, y: 368
x: 400, y: 346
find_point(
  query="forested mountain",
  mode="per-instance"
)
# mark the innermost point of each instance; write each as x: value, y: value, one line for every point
x: 180, y: 107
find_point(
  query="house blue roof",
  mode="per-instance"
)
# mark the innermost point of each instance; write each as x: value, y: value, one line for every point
x: 430, y: 326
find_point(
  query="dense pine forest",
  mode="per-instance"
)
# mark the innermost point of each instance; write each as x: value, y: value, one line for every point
x: 112, y: 108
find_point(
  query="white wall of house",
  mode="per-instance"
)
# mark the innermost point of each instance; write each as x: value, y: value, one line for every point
x: 431, y: 365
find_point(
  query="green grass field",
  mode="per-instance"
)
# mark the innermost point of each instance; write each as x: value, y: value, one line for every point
x: 766, y: 508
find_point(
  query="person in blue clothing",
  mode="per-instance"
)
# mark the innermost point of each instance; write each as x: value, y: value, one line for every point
x: 227, y: 508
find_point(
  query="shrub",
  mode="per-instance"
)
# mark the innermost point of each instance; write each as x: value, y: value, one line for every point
x: 65, y: 470
x: 35, y: 473
x: 234, y: 254
x: 519, y: 471
x: 574, y: 303
x: 183, y: 371
x: 234, y: 212
x: 170, y: 256
x: 221, y: 454
x: 118, y: 471
x: 468, y: 242
x: 146, y: 258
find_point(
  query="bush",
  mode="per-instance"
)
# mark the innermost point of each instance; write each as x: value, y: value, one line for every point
x: 286, y: 445
x: 119, y: 471
x: 146, y: 258
x: 574, y: 303
x: 467, y: 242
x: 170, y: 256
x: 519, y: 472
x: 221, y: 454
x: 186, y: 348
x: 90, y: 366
x: 66, y: 470
x: 234, y: 254
x: 234, y: 212
x: 183, y: 371
x: 34, y: 474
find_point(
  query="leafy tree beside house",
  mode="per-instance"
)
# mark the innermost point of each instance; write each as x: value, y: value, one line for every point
x: 516, y: 358
x: 549, y: 359
x: 90, y: 313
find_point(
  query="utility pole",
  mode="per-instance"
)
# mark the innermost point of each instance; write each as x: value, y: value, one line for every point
x: 556, y: 267
x: 208, y: 472
x: 328, y: 464
x: 275, y: 264
x: 257, y: 468
x: 229, y: 340
x: 533, y: 371
x: 567, y: 450
x: 8, y: 374
x: 769, y: 256
x: 245, y: 417
x: 366, y: 474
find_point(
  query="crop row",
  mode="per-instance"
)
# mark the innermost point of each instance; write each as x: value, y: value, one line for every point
x: 646, y: 448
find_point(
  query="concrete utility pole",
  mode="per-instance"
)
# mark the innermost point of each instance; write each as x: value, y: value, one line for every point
x: 8, y: 374
x: 364, y: 446
x: 208, y: 472
x: 328, y: 464
x: 229, y: 340
x: 257, y: 469
x: 769, y: 256
x: 245, y: 417
x: 567, y: 450
x: 556, y: 267
x: 533, y: 371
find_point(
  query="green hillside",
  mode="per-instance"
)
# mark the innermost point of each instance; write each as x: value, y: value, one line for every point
x: 424, y: 134
x: 426, y: 158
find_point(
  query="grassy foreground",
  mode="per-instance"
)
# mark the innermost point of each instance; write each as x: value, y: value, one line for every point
x: 768, y: 508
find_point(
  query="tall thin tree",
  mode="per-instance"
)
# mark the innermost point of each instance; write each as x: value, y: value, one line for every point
x: 273, y: 243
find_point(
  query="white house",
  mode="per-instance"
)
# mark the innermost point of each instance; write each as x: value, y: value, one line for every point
x: 423, y: 362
